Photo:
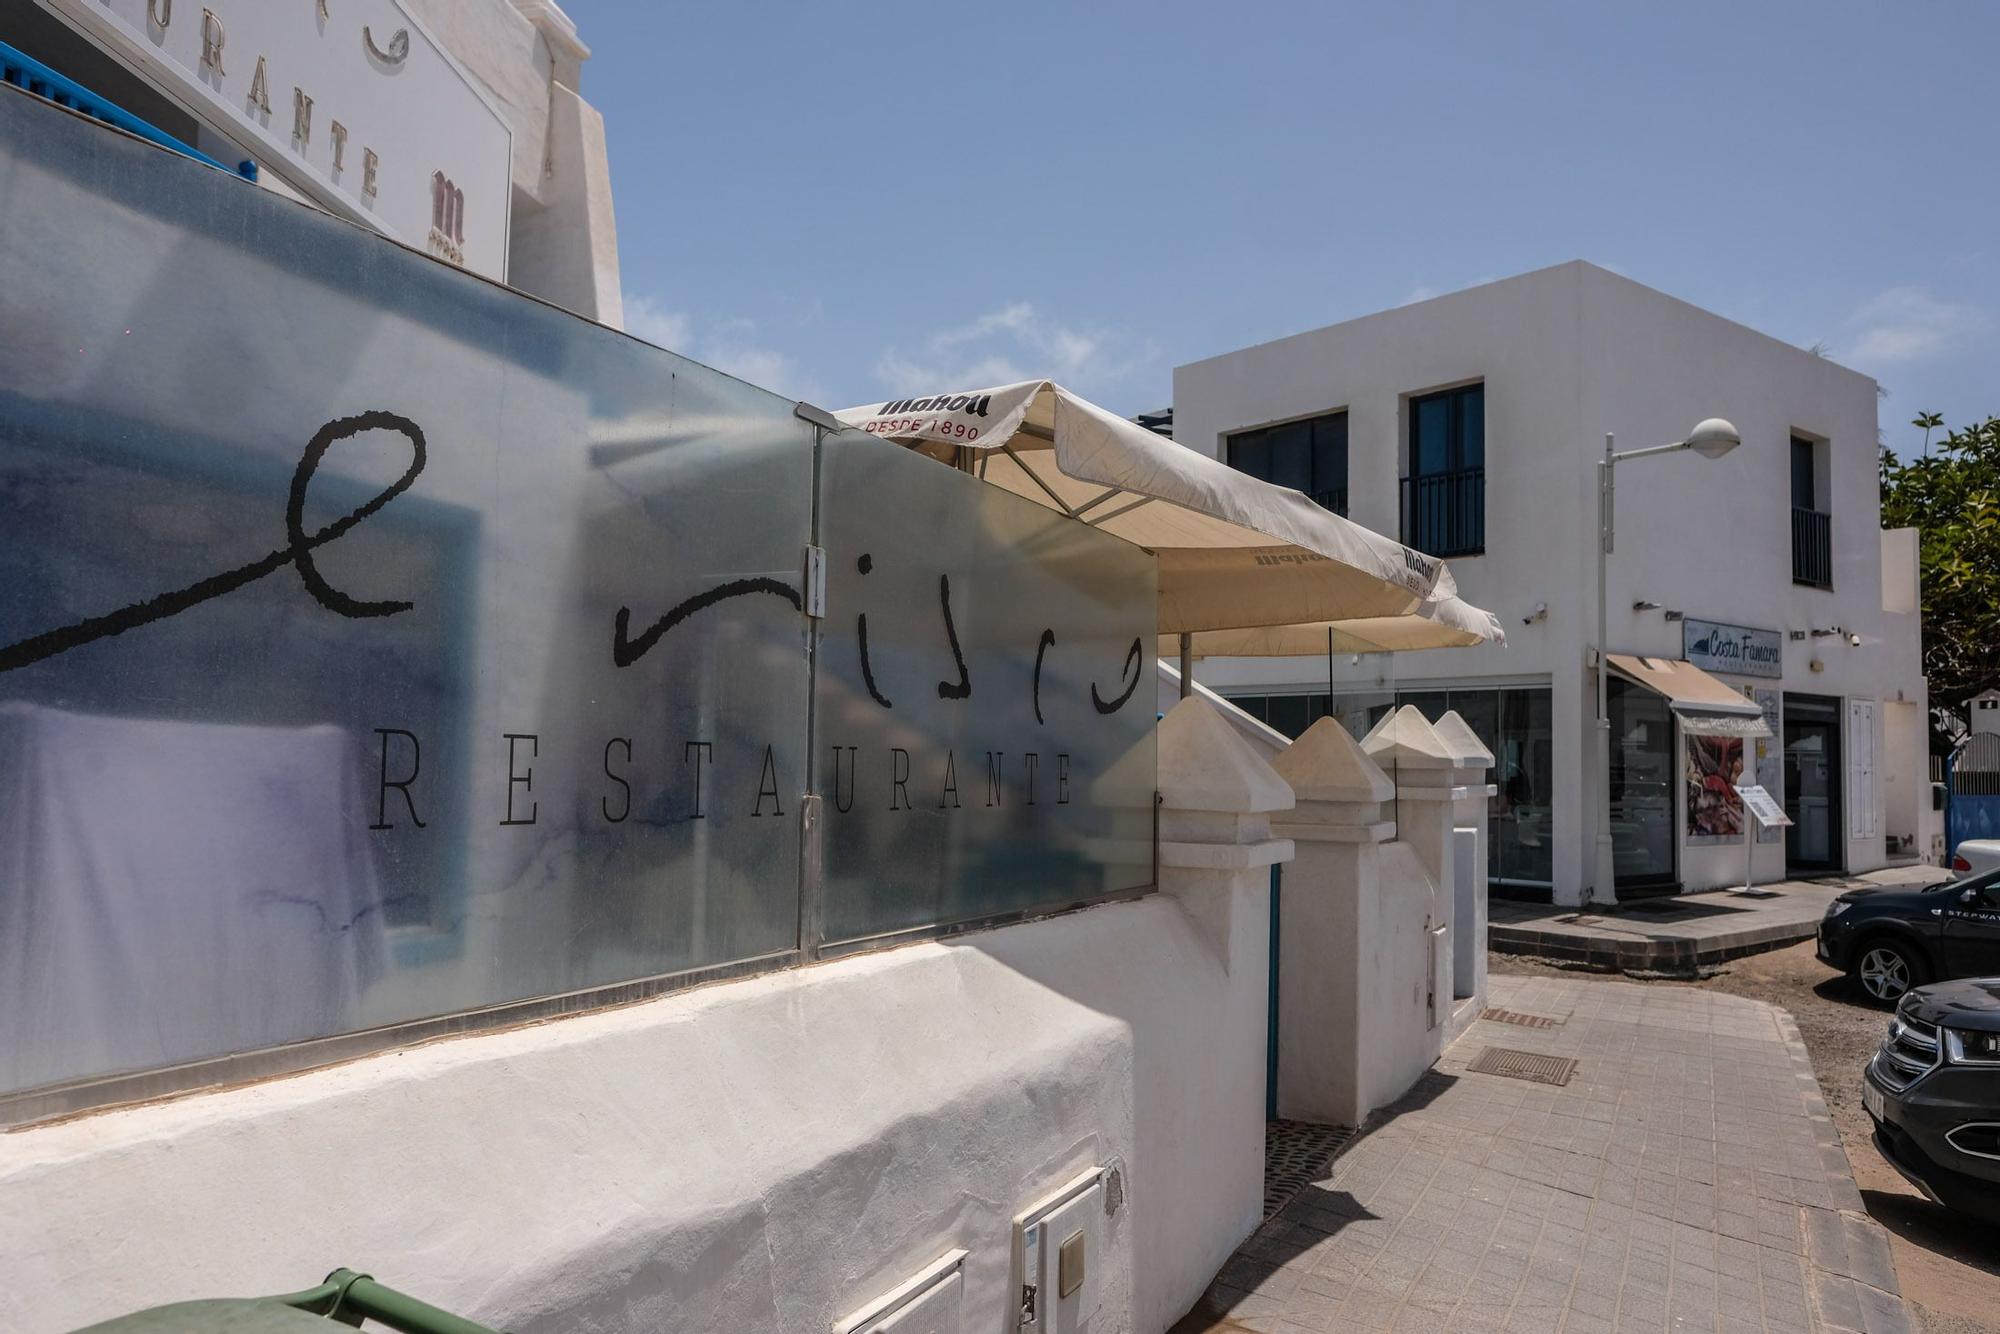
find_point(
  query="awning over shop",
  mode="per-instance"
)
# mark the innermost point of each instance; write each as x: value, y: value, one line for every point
x: 1705, y: 706
x: 1234, y: 553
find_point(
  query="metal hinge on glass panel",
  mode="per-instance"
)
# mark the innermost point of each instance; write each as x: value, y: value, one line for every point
x: 815, y: 581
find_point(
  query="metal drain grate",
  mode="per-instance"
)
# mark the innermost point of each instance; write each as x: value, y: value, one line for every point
x: 1530, y: 1065
x: 1518, y: 1019
x: 1296, y: 1155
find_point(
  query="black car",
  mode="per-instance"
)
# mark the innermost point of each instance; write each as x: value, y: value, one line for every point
x: 1933, y: 1091
x: 1890, y: 940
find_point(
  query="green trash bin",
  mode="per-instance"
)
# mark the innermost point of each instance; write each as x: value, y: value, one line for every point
x: 344, y: 1299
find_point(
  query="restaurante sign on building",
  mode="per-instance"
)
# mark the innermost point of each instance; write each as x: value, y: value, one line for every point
x: 348, y: 102
x: 1734, y: 650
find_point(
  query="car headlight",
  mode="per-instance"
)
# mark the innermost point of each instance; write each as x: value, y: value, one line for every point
x: 1964, y: 1047
x: 1836, y: 908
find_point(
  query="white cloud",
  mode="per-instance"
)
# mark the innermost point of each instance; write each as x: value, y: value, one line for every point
x: 1003, y: 346
x: 731, y: 346
x: 648, y: 319
x: 1906, y: 324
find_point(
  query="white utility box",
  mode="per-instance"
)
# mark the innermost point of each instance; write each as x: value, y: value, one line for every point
x: 1059, y: 1256
x: 933, y: 1302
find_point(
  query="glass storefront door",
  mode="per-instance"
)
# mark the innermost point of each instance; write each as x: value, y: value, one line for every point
x: 1642, y: 791
x: 1812, y: 783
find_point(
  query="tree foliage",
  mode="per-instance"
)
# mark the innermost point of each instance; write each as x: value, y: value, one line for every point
x: 1952, y: 496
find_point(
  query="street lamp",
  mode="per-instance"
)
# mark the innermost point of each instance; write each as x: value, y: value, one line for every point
x: 1712, y: 439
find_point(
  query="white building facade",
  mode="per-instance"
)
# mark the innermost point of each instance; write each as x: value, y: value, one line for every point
x: 1471, y: 425
x: 453, y: 126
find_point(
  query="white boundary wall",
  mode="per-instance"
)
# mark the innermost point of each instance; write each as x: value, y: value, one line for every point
x: 766, y: 1154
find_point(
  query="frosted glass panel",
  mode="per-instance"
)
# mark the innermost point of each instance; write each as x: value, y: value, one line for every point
x: 986, y: 699
x: 375, y: 643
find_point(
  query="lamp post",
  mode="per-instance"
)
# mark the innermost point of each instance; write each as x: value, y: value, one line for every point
x: 1712, y: 439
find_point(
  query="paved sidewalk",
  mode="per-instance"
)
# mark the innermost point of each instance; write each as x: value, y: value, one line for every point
x: 1686, y: 1179
x: 1681, y: 933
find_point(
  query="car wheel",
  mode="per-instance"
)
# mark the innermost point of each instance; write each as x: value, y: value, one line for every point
x: 1886, y: 969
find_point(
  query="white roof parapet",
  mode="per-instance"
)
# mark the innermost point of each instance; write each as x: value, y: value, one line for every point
x: 1463, y: 742
x: 1328, y: 764
x: 1406, y: 740
x: 1207, y: 765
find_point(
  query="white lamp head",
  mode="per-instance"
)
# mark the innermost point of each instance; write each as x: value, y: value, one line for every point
x: 1714, y: 438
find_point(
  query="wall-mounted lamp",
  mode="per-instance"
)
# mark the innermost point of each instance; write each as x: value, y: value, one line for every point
x: 1643, y: 605
x: 1540, y: 613
x: 1827, y: 633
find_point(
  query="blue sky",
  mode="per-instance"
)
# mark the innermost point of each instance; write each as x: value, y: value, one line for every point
x: 853, y: 201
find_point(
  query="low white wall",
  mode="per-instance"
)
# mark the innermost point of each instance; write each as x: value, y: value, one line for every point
x: 766, y: 1154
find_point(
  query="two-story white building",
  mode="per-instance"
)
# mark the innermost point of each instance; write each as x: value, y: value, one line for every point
x: 1471, y: 425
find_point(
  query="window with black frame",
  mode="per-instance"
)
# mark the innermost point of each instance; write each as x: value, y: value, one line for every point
x: 1812, y: 529
x: 1444, y: 492
x: 1308, y: 456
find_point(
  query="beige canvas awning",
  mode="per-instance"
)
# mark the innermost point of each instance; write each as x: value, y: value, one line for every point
x: 1234, y: 553
x: 1704, y: 705
x: 1447, y: 623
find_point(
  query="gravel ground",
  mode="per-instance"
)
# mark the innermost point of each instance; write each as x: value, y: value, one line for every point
x: 1948, y: 1267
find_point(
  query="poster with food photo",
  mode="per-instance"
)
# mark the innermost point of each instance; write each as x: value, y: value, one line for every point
x: 1714, y: 768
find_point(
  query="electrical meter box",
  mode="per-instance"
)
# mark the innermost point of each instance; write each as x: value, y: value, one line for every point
x: 933, y: 1302
x: 1059, y: 1258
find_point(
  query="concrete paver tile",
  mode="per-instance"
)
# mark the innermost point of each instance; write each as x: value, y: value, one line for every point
x: 1684, y: 1182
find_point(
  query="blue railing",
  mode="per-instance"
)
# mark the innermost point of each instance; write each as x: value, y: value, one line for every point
x: 25, y: 72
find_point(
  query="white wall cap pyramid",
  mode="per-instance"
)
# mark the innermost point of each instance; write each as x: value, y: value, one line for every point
x: 1207, y: 765
x: 1406, y: 740
x: 1328, y: 764
x: 1463, y: 743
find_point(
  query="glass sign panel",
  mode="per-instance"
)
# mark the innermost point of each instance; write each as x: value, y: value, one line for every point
x: 985, y: 699
x: 375, y: 643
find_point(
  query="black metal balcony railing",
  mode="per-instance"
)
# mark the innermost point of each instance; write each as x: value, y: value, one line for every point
x: 1335, y: 500
x: 1812, y: 548
x: 1444, y: 513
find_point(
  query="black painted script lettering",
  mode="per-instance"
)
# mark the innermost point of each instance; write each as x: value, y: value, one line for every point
x: 296, y: 552
x: 865, y: 564
x: 946, y: 690
x: 1048, y: 641
x: 1131, y: 661
x: 625, y: 651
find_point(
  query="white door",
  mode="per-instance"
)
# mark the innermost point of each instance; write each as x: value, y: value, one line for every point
x: 1863, y: 803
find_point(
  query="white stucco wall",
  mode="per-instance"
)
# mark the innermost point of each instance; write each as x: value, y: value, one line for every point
x: 762, y: 1154
x: 1567, y: 354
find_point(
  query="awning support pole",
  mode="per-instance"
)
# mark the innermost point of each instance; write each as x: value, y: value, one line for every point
x: 1187, y: 663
